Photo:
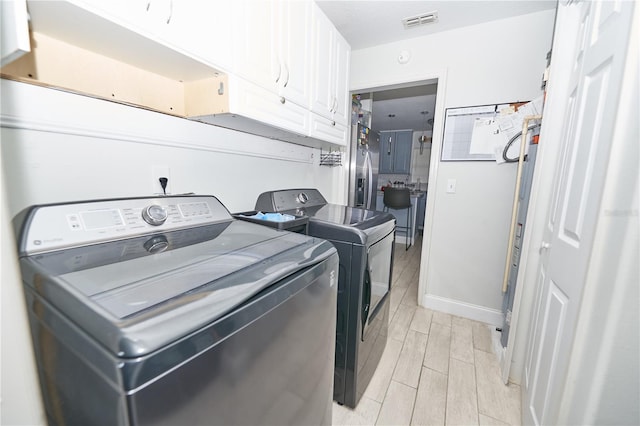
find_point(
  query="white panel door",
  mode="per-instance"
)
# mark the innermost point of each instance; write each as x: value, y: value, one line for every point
x: 594, y: 87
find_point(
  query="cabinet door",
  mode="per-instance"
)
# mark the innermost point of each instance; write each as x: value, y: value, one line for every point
x: 420, y: 208
x: 201, y: 29
x: 143, y: 17
x: 326, y: 129
x: 402, y: 152
x: 387, y: 149
x: 294, y: 51
x: 254, y: 101
x: 322, y: 93
x: 255, y: 43
x: 15, y: 30
x: 342, y: 54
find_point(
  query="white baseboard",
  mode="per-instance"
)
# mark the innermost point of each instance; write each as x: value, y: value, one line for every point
x: 463, y: 309
x: 497, y: 345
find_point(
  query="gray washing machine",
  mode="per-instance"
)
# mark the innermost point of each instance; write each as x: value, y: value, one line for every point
x: 365, y: 243
x: 167, y: 311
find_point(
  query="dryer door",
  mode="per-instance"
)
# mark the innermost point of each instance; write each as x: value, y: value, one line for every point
x: 377, y: 282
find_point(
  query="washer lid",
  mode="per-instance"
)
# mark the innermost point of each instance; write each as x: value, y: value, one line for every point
x: 349, y: 224
x: 342, y: 215
x: 134, y: 300
x: 330, y: 221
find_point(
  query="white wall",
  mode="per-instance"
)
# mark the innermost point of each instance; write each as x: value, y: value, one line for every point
x: 70, y: 147
x: 58, y: 146
x: 20, y: 403
x: 495, y: 62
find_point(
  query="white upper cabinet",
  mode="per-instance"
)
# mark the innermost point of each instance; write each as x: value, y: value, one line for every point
x: 330, y: 96
x: 272, y: 46
x: 197, y: 28
x: 342, y: 109
x: 201, y: 28
x: 255, y: 42
x: 287, y: 65
x: 14, y: 36
x: 323, y: 95
x: 293, y: 56
x: 150, y: 18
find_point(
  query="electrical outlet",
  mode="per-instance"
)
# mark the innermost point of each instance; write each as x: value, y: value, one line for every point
x: 156, y: 173
x: 451, y: 186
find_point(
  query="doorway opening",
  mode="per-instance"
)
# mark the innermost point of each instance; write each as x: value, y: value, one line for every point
x: 403, y: 117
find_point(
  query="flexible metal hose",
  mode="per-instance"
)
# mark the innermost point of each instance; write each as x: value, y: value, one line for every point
x: 511, y: 141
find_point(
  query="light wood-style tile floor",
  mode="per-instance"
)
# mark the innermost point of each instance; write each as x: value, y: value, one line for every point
x: 436, y: 369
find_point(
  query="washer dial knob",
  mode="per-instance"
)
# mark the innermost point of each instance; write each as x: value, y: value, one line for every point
x: 154, y: 215
x: 156, y: 244
x: 303, y: 198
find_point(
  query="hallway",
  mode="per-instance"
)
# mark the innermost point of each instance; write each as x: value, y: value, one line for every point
x: 437, y: 368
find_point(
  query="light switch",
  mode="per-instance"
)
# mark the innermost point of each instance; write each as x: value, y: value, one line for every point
x: 451, y: 186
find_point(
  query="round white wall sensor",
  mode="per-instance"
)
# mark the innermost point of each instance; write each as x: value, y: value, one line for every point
x: 404, y: 57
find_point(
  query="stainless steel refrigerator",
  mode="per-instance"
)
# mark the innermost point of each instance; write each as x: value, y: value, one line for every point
x: 363, y: 167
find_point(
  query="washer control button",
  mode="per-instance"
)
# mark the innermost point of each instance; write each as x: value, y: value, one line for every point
x: 156, y: 244
x: 154, y: 215
x: 303, y: 198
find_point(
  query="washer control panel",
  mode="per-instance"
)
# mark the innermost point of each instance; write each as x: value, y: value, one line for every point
x: 59, y: 226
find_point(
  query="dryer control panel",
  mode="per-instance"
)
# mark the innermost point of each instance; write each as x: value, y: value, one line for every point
x: 60, y: 226
x: 289, y: 199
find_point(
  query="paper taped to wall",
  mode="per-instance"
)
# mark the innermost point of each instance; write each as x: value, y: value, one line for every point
x: 482, y: 132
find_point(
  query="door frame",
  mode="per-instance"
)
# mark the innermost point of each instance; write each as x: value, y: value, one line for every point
x: 438, y: 77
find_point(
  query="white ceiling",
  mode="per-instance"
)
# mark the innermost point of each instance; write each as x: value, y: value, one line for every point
x: 407, y: 105
x: 366, y: 23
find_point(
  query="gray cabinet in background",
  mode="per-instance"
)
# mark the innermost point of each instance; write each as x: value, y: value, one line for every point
x: 421, y: 207
x: 395, y: 152
x: 418, y: 201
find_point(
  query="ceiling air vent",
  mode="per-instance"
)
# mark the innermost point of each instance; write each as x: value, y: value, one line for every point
x: 423, y: 18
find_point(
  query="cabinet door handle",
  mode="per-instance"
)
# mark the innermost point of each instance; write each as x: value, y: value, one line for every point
x: 369, y: 191
x: 366, y: 299
x: 389, y: 147
x: 279, y: 72
x: 286, y: 68
x: 170, y: 12
x: 282, y: 100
